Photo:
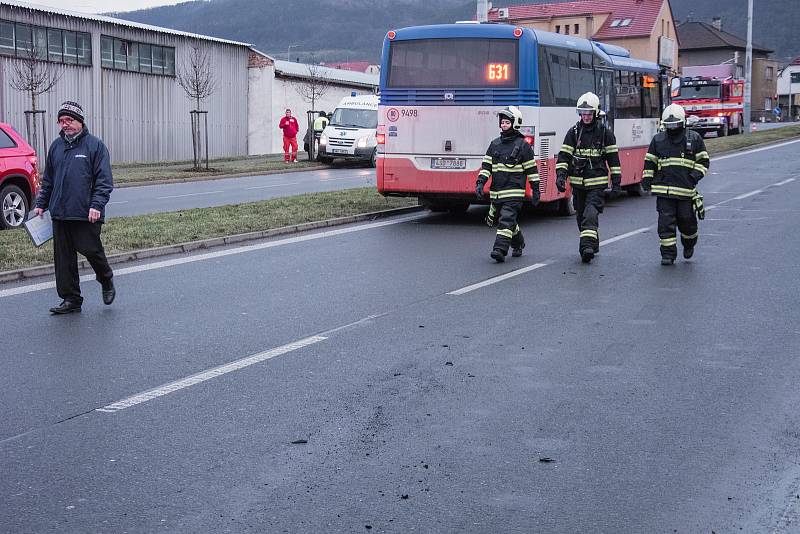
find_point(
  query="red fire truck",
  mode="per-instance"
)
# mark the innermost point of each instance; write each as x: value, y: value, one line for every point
x: 712, y: 104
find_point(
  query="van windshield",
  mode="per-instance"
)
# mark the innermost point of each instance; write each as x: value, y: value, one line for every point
x: 355, y: 118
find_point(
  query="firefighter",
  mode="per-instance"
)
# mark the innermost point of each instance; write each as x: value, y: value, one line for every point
x: 675, y: 162
x: 509, y: 161
x: 588, y: 155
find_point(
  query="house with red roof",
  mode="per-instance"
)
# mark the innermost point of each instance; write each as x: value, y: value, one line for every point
x: 645, y: 27
x: 355, y: 66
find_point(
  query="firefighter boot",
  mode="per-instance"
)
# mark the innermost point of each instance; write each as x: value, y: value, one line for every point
x: 498, y: 255
x: 688, y: 252
x: 517, y: 244
x: 587, y: 254
x: 667, y: 261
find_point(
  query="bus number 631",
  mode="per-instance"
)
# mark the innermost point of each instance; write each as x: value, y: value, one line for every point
x: 498, y: 71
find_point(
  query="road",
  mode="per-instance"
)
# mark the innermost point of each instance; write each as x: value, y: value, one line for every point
x: 173, y: 197
x: 389, y: 377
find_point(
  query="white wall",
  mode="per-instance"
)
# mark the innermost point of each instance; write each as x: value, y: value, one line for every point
x: 259, y: 98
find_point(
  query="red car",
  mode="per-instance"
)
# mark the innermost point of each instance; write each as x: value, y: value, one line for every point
x: 19, y: 177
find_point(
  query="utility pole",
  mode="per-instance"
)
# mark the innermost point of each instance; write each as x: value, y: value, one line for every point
x: 289, y: 51
x: 483, y: 11
x: 748, y: 68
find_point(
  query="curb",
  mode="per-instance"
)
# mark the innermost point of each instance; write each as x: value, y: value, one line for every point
x: 758, y: 145
x: 220, y: 176
x: 190, y: 246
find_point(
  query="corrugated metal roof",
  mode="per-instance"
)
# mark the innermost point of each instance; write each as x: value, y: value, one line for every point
x: 642, y: 14
x: 301, y: 70
x: 694, y: 35
x: 116, y: 21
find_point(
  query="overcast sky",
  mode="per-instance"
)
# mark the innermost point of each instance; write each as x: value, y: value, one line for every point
x: 104, y: 6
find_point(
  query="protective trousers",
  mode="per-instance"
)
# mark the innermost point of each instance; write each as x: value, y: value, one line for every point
x: 670, y: 212
x: 508, y: 231
x: 69, y: 238
x: 588, y: 205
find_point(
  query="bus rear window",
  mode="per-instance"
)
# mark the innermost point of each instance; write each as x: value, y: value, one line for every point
x: 453, y: 63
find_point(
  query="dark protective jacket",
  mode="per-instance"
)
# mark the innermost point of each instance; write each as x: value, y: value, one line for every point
x: 675, y: 165
x: 77, y: 176
x: 588, y: 155
x: 509, y: 161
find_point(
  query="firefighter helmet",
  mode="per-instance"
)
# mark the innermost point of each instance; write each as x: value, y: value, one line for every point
x: 673, y: 117
x: 588, y: 102
x: 513, y: 114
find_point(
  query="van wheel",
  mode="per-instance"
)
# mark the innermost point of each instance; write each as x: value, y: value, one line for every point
x: 14, y: 206
x: 373, y: 161
x: 325, y: 159
x: 564, y: 207
x: 634, y: 190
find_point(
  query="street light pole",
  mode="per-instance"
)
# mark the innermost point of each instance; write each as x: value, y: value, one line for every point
x: 748, y: 68
x: 289, y: 51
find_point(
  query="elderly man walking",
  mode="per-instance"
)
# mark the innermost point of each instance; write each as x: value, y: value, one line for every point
x: 76, y: 185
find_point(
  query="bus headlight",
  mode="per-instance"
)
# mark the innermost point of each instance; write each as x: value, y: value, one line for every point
x: 323, y: 139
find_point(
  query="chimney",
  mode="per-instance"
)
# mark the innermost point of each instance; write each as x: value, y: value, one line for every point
x: 717, y: 23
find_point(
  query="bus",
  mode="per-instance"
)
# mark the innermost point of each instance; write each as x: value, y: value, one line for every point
x: 441, y: 87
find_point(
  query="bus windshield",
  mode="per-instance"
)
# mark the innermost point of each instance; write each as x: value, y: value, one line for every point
x: 453, y: 63
x: 355, y: 118
x: 687, y: 92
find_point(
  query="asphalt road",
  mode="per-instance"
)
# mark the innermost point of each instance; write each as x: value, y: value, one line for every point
x: 382, y: 378
x: 173, y: 197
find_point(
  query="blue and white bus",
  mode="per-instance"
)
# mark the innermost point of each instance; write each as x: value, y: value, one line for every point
x: 442, y: 86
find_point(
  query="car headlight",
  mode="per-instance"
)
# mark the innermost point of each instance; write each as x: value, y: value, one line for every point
x: 323, y: 139
x: 362, y: 142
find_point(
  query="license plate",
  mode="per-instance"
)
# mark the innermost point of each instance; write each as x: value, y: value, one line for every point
x: 448, y: 163
x: 339, y: 151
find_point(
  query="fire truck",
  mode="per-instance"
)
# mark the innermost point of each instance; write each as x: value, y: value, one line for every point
x: 712, y: 103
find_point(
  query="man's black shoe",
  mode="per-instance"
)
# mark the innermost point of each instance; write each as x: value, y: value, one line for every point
x: 667, y: 261
x: 587, y: 255
x: 688, y: 252
x: 66, y: 306
x: 109, y: 292
x: 498, y: 256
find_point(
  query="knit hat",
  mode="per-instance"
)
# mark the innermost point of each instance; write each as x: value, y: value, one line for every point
x: 71, y: 109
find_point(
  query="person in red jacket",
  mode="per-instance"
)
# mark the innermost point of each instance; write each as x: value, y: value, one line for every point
x: 290, y: 128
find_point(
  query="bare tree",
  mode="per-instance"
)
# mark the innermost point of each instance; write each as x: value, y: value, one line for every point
x: 31, y: 73
x: 196, y: 78
x: 313, y: 86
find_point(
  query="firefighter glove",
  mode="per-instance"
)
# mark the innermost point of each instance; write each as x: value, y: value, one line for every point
x: 535, y: 196
x: 561, y: 181
x: 479, y: 190
x: 699, y: 207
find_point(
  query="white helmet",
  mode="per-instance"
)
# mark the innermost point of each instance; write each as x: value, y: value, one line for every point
x: 513, y: 114
x: 673, y: 117
x: 588, y: 102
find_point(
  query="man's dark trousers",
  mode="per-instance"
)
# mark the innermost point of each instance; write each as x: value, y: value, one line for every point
x: 588, y: 204
x: 69, y: 238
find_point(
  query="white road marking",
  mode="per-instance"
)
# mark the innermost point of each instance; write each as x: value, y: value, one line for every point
x: 190, y: 195
x: 625, y: 236
x: 782, y: 183
x: 754, y: 150
x: 118, y: 202
x: 220, y: 253
x: 750, y: 194
x: 272, y: 185
x: 497, y: 279
x: 208, y: 375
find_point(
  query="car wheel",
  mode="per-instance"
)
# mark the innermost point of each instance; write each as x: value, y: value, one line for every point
x: 14, y: 205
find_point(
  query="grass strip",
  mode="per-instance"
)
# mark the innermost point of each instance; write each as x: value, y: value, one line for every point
x: 738, y: 142
x: 124, y: 234
x: 182, y: 170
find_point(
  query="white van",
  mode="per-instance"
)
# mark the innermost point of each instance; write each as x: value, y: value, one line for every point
x: 350, y: 134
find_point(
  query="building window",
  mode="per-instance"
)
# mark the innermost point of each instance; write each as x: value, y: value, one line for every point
x: 577, y: 27
x: 626, y: 22
x: 770, y: 73
x: 558, y: 28
x: 794, y: 77
x: 46, y: 44
x: 119, y: 54
x: 767, y: 104
x: 566, y: 29
x: 615, y: 23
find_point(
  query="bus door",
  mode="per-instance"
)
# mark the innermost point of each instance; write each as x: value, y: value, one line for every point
x: 604, y: 87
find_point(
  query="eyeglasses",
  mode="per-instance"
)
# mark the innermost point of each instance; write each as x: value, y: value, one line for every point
x: 66, y: 120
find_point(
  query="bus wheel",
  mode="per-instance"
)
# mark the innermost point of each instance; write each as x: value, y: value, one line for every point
x: 434, y: 205
x: 565, y: 207
x: 634, y: 190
